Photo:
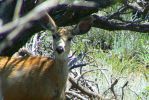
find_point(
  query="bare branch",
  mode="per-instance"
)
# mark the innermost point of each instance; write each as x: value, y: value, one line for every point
x: 112, y: 87
x: 63, y: 14
x: 35, y: 14
x: 135, y: 6
x: 126, y: 83
x: 84, y: 90
x: 117, y: 13
x: 75, y: 94
x: 17, y: 9
x: 89, y: 72
x: 17, y: 26
x: 111, y: 25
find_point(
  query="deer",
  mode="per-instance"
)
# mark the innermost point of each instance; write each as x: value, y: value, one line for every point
x: 38, y: 77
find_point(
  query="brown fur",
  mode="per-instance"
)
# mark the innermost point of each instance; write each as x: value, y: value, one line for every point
x: 32, y: 78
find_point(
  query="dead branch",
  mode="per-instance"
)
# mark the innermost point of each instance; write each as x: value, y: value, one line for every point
x: 17, y: 26
x: 84, y: 90
x: 112, y: 88
x: 135, y: 93
x: 35, y: 14
x: 75, y: 94
x: 135, y: 6
x: 111, y: 25
x: 64, y: 14
x: 17, y: 9
x: 78, y: 65
x: 126, y: 83
x: 78, y: 78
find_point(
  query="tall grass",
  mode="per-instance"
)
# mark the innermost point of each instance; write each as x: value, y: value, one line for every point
x: 129, y: 50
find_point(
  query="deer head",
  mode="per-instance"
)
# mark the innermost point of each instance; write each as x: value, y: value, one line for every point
x: 62, y: 36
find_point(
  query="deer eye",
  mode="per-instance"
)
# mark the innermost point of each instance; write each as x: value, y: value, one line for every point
x: 69, y: 39
x: 54, y: 36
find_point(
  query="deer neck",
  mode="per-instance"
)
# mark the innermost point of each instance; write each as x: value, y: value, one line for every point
x: 61, y: 58
x: 61, y: 63
x: 61, y: 68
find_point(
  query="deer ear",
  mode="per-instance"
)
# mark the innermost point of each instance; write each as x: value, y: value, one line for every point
x: 48, y: 23
x: 83, y: 26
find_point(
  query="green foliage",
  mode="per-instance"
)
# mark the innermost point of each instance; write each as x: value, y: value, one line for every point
x: 125, y: 51
x: 145, y: 93
x: 128, y: 53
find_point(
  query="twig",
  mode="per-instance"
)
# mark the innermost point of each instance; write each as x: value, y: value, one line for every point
x: 84, y: 90
x: 135, y: 6
x: 10, y: 37
x: 17, y: 9
x: 118, y: 12
x: 89, y: 72
x: 75, y: 94
x: 72, y: 55
x: 78, y: 65
x: 135, y: 93
x: 112, y: 88
x: 126, y: 83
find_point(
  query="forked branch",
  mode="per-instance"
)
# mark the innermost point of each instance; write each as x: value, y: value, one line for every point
x: 84, y: 90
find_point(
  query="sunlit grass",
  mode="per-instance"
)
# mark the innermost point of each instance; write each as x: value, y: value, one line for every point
x: 129, y: 53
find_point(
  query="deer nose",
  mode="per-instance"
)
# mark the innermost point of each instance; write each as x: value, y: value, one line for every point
x: 59, y: 49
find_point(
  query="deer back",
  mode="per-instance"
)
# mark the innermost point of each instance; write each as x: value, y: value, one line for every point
x: 30, y: 78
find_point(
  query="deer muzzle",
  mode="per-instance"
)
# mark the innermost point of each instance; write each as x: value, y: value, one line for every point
x: 59, y: 49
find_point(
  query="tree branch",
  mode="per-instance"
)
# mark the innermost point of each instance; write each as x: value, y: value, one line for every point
x: 75, y: 94
x: 64, y: 15
x: 112, y: 25
x: 83, y: 90
x: 126, y: 83
x: 16, y: 28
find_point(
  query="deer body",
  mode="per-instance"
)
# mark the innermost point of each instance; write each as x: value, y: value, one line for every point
x: 33, y: 78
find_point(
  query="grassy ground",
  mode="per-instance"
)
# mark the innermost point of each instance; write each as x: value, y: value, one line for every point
x: 124, y: 54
